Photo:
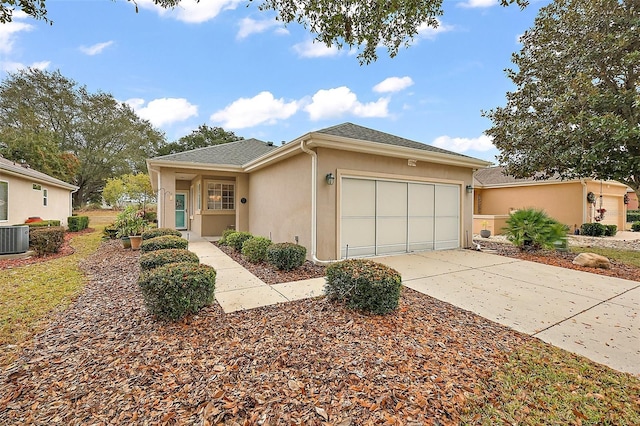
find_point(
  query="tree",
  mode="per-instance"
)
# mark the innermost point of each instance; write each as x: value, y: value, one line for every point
x: 202, y: 137
x: 361, y: 24
x: 135, y: 188
x: 576, y: 107
x: 106, y: 136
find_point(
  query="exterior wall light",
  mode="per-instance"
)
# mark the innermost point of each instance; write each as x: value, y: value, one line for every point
x: 330, y: 178
x: 469, y: 189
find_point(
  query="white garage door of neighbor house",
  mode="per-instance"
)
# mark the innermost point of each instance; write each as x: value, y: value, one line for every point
x: 381, y: 217
x: 610, y: 204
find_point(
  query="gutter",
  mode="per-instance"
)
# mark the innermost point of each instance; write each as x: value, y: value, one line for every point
x: 314, y: 218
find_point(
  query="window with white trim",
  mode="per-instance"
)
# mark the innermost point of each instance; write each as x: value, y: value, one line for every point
x: 221, y: 196
x: 4, y: 201
x: 45, y: 197
x: 198, y: 197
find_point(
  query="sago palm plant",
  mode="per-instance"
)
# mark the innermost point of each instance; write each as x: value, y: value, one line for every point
x: 532, y: 229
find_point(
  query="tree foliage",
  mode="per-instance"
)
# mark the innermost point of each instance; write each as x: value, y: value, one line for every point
x: 129, y: 187
x: 360, y: 24
x: 576, y: 107
x: 202, y: 137
x: 106, y: 136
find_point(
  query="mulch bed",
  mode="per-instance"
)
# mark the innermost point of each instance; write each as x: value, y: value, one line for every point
x: 562, y: 259
x: 106, y: 361
x: 271, y: 275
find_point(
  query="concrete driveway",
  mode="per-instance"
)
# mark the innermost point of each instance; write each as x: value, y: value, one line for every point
x: 588, y: 314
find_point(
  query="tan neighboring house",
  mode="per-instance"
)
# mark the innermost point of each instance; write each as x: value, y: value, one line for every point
x: 344, y: 191
x: 26, y: 193
x: 496, y: 195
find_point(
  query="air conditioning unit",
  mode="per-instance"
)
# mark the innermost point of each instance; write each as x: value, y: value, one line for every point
x: 14, y: 239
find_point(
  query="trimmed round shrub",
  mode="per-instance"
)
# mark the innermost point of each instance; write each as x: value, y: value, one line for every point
x: 175, y: 290
x: 531, y: 229
x: 635, y: 226
x: 153, y: 259
x: 237, y: 239
x: 163, y: 242
x: 225, y: 235
x: 160, y: 232
x: 255, y: 249
x: 593, y: 229
x: 46, y: 240
x: 286, y: 256
x: 364, y: 284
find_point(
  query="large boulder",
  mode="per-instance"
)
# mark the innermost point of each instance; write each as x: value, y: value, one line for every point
x: 592, y: 260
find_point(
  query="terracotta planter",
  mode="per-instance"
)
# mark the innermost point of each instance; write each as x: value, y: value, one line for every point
x: 136, y: 240
x: 485, y: 233
x: 126, y: 242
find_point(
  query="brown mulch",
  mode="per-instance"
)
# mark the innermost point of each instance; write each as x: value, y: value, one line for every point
x: 561, y: 259
x: 106, y: 361
x: 65, y: 250
x: 271, y: 275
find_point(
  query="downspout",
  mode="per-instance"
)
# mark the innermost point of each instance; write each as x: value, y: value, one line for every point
x: 584, y: 199
x: 314, y: 195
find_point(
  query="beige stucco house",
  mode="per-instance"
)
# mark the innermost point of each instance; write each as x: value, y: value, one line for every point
x: 496, y: 195
x: 341, y: 192
x: 26, y: 193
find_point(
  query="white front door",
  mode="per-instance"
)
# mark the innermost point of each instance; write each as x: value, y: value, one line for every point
x: 182, y: 200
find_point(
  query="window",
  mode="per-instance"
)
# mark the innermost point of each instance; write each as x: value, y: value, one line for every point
x: 4, y: 201
x: 198, y: 197
x: 45, y: 196
x: 220, y: 196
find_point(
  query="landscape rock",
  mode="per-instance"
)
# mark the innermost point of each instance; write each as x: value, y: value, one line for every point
x: 592, y: 260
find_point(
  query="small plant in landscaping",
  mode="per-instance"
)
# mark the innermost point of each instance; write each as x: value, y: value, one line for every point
x: 153, y: 259
x: 635, y: 226
x: 160, y: 232
x: 175, y: 290
x: 46, y: 240
x: 163, y: 242
x: 610, y: 230
x: 531, y: 229
x: 255, y: 249
x: 364, y: 284
x: 237, y: 239
x: 286, y: 256
x: 77, y: 223
x: 593, y: 229
x: 225, y: 235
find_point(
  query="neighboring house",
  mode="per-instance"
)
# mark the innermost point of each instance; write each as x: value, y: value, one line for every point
x: 26, y: 193
x: 344, y: 191
x: 633, y: 200
x: 496, y: 195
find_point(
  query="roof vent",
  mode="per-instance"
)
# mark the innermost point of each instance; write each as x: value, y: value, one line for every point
x: 269, y: 143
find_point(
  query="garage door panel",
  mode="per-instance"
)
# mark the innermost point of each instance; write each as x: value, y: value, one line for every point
x: 447, y: 219
x: 391, y: 215
x: 392, y: 235
x: 421, y: 233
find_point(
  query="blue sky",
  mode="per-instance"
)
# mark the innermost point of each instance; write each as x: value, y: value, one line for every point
x: 224, y: 64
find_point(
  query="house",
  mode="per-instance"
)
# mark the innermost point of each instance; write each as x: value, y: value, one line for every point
x: 633, y: 200
x: 343, y: 191
x: 26, y: 193
x: 568, y: 201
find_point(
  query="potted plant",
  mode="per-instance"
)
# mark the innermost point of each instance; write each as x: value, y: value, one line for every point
x: 131, y: 224
x: 485, y: 233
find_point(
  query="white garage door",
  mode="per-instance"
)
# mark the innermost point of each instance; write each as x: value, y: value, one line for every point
x: 381, y: 217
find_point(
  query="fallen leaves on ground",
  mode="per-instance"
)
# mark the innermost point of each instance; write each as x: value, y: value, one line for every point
x: 106, y: 361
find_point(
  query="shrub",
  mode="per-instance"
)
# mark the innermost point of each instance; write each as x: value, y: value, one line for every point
x: 175, y: 290
x: 592, y: 229
x: 153, y: 259
x: 633, y: 216
x: 531, y: 229
x: 255, y: 249
x: 46, y: 240
x: 364, y: 284
x: 43, y: 224
x: 635, y: 226
x: 237, y: 239
x: 78, y: 223
x: 286, y: 256
x: 610, y: 230
x: 151, y: 216
x: 163, y: 242
x: 225, y: 235
x: 160, y: 232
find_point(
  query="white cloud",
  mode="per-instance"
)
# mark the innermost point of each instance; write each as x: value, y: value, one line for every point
x: 482, y: 143
x: 428, y: 32
x: 337, y: 102
x: 314, y: 49
x: 478, y: 3
x: 9, y: 30
x: 164, y: 111
x: 10, y: 66
x: 261, y: 109
x: 393, y: 84
x: 250, y: 26
x: 191, y: 11
x: 96, y: 48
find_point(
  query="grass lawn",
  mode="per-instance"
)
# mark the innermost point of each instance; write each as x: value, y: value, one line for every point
x: 629, y: 257
x: 29, y: 294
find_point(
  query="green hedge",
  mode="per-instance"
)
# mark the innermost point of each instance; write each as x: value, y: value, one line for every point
x: 78, y: 223
x: 364, y: 284
x: 163, y: 242
x: 175, y: 290
x: 593, y: 229
x: 255, y: 249
x: 237, y: 239
x: 635, y: 226
x: 610, y: 230
x: 42, y: 224
x: 153, y: 259
x: 286, y: 256
x: 46, y: 240
x: 225, y: 235
x: 633, y: 216
x: 160, y: 232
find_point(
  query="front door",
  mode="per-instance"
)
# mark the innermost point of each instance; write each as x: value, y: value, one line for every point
x: 181, y: 210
